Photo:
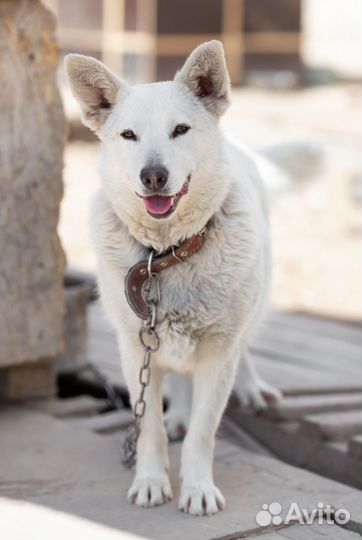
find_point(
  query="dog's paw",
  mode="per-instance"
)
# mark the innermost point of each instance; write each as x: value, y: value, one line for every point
x: 150, y: 492
x: 257, y: 395
x: 201, y: 499
x: 176, y: 424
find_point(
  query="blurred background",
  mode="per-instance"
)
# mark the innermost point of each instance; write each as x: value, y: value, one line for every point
x: 294, y: 65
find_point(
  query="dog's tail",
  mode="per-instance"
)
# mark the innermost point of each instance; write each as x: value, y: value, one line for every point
x: 297, y: 159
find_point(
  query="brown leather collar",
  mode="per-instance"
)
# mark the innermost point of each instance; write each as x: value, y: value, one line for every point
x: 138, y: 274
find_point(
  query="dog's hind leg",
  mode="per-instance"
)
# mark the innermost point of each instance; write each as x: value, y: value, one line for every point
x: 252, y: 391
x: 151, y: 485
x: 212, y: 382
x: 178, y: 391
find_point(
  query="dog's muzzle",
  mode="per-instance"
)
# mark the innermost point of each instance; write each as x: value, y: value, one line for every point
x: 161, y: 206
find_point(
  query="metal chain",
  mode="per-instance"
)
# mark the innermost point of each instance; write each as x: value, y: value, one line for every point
x: 150, y: 342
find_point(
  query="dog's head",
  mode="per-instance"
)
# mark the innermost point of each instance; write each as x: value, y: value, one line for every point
x: 160, y: 152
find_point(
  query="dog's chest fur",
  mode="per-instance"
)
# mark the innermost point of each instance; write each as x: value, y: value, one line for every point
x: 214, y: 293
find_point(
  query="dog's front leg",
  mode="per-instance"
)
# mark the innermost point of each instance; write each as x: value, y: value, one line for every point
x: 212, y: 382
x: 151, y: 485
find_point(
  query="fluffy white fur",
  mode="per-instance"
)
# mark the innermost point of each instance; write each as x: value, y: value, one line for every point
x: 210, y: 304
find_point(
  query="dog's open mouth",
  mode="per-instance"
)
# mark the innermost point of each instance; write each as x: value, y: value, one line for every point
x: 161, y: 206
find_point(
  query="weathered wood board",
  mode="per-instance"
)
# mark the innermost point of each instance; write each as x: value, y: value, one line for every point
x: 80, y: 406
x: 337, y: 368
x: 80, y: 491
x: 316, y: 363
x: 336, y: 426
x: 32, y: 130
x: 295, y: 407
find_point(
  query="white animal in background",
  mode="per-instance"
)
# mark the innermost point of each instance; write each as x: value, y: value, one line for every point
x: 168, y: 171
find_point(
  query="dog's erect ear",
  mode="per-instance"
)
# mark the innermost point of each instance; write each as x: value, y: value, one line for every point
x: 94, y: 86
x: 206, y: 74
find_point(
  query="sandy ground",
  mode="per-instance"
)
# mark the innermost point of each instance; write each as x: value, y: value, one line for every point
x: 315, y: 224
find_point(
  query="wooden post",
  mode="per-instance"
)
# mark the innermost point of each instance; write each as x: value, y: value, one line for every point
x: 113, y: 34
x: 31, y: 147
x: 147, y: 17
x: 233, y: 37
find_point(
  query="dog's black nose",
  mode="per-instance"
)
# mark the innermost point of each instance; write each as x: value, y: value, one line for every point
x: 154, y: 178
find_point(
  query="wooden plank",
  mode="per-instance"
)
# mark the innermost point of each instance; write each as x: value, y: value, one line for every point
x: 285, y: 440
x: 233, y: 433
x: 117, y: 41
x: 332, y: 426
x: 254, y: 42
x: 329, y: 360
x: 295, y: 407
x: 355, y: 447
x: 113, y: 21
x: 320, y: 390
x: 84, y: 479
x: 180, y: 45
x: 30, y: 380
x: 335, y: 330
x: 313, y: 532
x: 293, y: 379
x: 340, y: 446
x: 147, y: 23
x: 308, y: 349
x: 106, y: 423
x: 79, y: 406
x: 311, y: 358
x: 304, y: 341
x: 272, y: 42
x: 233, y: 37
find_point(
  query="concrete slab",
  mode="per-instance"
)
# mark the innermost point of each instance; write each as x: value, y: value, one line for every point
x: 75, y: 480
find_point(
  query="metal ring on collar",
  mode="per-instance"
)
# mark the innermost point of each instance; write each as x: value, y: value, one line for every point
x: 152, y: 334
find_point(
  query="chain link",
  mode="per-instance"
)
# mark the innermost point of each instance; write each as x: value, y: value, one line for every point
x: 150, y: 342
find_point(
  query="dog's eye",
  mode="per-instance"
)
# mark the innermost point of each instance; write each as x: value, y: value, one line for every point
x: 181, y: 129
x: 129, y: 135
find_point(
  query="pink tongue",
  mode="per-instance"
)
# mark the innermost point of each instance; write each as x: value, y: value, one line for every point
x: 158, y: 205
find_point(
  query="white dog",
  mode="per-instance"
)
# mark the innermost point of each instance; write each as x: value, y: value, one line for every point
x: 167, y: 172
